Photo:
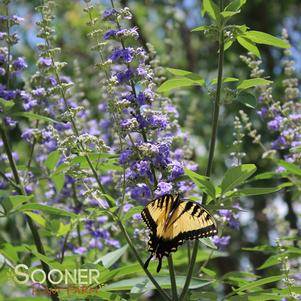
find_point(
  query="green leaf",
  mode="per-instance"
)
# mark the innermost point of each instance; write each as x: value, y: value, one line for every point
x: 58, y: 180
x: 208, y: 242
x: 52, y: 263
x: 290, y: 167
x: 258, y: 283
x: 36, y: 217
x: 109, y: 259
x: 271, y: 261
x: 128, y: 284
x: 47, y: 209
x: 243, y: 275
x: 178, y: 83
x: 11, y: 252
x: 17, y: 200
x: 228, y: 14
x: 211, y: 9
x: 225, y: 80
x: 208, y: 272
x: 249, y: 83
x: 249, y: 45
x: 6, y: 104
x: 260, y: 190
x: 236, y: 176
x: 228, y: 44
x: 269, y: 175
x: 52, y: 160
x: 202, y: 182
x: 200, y: 28
x: 235, y: 5
x: 178, y: 72
x: 265, y: 38
x: 248, y: 99
x: 121, y: 272
x: 33, y: 116
x: 262, y: 248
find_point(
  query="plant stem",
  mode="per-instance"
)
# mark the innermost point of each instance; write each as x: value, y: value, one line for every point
x: 172, y: 278
x: 212, y: 145
x: 32, y: 226
x: 147, y: 272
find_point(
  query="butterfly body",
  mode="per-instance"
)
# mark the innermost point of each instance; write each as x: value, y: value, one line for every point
x: 172, y: 221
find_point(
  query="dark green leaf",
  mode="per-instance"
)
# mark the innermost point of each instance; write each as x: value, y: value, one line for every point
x: 249, y: 100
x: 33, y: 116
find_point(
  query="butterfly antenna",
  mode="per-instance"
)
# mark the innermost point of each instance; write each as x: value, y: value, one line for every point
x: 147, y: 261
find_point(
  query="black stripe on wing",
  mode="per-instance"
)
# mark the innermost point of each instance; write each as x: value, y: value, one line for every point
x: 149, y: 220
x: 162, y: 247
x: 157, y: 204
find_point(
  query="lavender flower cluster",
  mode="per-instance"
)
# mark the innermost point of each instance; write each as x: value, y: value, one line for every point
x: 153, y: 146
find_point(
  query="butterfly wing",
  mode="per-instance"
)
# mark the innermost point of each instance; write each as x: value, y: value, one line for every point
x: 156, y: 212
x: 188, y: 221
x: 171, y: 222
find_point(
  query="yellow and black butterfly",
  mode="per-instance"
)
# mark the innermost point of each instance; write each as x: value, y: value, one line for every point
x: 171, y: 221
